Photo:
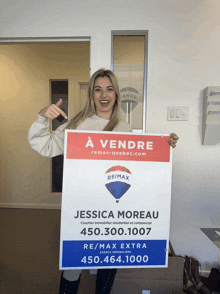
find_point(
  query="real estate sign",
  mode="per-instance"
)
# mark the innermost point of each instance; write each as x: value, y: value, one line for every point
x: 115, y: 201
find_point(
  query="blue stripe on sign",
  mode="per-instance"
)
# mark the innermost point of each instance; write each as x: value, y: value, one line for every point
x: 114, y: 253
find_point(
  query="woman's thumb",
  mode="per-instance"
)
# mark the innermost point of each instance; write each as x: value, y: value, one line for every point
x: 59, y: 102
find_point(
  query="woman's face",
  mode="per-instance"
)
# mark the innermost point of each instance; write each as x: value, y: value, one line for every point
x: 104, y: 97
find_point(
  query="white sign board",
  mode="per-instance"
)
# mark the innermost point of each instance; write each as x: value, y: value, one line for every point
x: 116, y: 200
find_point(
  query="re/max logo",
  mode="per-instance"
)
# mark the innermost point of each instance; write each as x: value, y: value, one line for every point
x: 124, y: 177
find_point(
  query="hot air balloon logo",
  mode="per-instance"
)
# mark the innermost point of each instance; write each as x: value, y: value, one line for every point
x: 118, y: 181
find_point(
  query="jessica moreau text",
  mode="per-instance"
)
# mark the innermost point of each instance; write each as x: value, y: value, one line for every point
x: 120, y: 214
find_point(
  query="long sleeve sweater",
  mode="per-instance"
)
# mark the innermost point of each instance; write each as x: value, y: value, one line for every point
x: 51, y: 143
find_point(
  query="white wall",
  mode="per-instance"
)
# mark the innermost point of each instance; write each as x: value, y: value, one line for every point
x: 183, y: 59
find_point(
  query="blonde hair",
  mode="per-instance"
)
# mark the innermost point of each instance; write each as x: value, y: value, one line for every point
x: 90, y: 108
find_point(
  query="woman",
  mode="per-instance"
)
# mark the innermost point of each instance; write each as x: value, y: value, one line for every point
x: 101, y: 113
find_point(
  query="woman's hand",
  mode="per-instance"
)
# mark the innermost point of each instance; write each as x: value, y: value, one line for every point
x: 173, y: 140
x: 53, y: 111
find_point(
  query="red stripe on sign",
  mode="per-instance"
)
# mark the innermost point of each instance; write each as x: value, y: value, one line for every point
x: 105, y: 146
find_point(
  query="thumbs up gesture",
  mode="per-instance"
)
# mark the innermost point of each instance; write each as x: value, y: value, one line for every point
x: 53, y: 111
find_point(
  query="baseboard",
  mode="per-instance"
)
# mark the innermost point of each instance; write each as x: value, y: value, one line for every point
x: 30, y: 206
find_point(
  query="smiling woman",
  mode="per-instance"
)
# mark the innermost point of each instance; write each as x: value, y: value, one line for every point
x: 107, y: 89
x: 104, y: 97
x: 101, y: 112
